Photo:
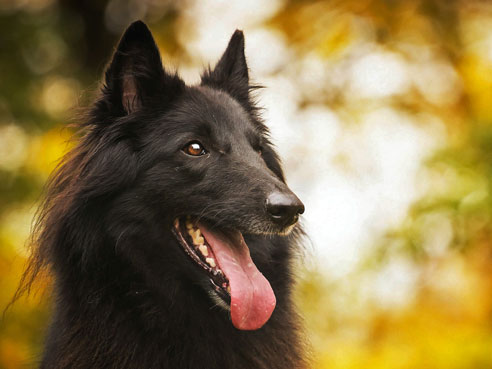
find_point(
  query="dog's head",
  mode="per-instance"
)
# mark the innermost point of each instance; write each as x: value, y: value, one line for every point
x: 198, y: 159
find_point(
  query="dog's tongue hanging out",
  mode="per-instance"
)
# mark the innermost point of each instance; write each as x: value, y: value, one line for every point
x: 252, y: 297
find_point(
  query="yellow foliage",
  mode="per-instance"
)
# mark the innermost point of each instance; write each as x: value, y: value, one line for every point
x: 46, y: 150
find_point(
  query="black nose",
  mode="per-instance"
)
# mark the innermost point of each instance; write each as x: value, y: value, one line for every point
x: 284, y: 208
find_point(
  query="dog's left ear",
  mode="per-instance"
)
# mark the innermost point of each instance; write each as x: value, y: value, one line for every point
x: 231, y: 72
x: 135, y: 76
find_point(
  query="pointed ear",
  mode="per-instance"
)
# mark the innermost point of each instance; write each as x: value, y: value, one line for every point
x: 135, y: 75
x: 231, y: 72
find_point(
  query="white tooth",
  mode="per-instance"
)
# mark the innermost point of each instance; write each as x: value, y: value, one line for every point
x: 229, y: 289
x: 210, y: 262
x: 189, y: 225
x: 203, y: 249
x: 197, y: 237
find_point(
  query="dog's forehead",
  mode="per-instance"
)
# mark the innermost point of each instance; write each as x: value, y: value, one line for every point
x: 219, y: 110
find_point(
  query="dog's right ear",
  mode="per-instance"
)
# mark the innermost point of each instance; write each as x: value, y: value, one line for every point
x: 135, y: 76
x: 231, y: 72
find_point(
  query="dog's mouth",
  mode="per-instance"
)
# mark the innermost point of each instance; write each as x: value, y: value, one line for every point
x: 234, y: 278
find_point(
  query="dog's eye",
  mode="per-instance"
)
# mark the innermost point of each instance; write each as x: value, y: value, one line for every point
x: 194, y: 149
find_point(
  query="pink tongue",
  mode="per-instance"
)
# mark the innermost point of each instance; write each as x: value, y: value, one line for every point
x: 252, y: 297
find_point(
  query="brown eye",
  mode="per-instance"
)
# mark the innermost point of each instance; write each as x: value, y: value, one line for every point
x: 194, y: 149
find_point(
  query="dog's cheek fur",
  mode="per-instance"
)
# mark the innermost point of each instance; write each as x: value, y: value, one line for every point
x: 238, y: 202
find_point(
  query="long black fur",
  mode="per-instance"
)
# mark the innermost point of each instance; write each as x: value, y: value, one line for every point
x: 125, y: 293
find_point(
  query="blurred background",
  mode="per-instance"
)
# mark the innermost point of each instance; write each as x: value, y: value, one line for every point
x: 382, y: 112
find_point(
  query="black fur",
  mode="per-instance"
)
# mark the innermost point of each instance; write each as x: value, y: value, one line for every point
x: 126, y: 295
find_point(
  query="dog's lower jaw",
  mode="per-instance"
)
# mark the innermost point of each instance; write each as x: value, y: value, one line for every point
x: 218, y: 301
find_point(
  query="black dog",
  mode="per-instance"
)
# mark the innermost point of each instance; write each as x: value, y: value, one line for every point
x: 157, y: 225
